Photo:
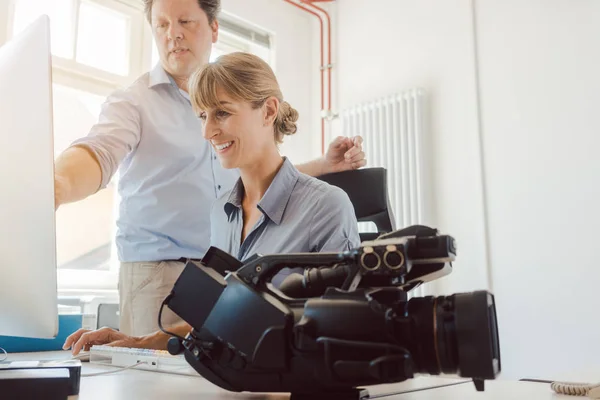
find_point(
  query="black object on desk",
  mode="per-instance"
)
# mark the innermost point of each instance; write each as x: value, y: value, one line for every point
x: 73, y: 368
x: 250, y: 336
x: 34, y: 384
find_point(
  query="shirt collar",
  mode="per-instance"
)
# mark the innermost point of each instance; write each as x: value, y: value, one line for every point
x: 275, y: 199
x: 158, y: 76
x: 234, y: 201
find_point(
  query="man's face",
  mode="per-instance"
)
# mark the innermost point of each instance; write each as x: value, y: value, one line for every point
x: 183, y: 35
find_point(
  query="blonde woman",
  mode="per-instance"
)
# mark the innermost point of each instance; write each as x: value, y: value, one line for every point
x: 273, y: 208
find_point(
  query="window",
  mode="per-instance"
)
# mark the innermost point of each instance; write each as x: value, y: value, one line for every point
x: 235, y: 35
x: 107, y: 51
x: 84, y: 229
x: 94, y: 40
x: 95, y: 49
x: 61, y: 17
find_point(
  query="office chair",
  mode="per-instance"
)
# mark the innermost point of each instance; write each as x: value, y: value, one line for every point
x: 108, y: 315
x: 367, y: 190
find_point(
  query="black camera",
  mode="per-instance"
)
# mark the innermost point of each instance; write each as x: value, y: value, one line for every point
x: 344, y: 324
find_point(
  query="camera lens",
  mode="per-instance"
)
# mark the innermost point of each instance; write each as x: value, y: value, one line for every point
x: 455, y: 334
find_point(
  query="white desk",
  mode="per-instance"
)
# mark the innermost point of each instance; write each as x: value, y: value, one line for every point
x: 494, y: 390
x: 148, y: 385
x: 136, y: 384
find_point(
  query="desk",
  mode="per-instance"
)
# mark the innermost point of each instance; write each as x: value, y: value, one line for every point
x: 494, y: 390
x: 148, y: 385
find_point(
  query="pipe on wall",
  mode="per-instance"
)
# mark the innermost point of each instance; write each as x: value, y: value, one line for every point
x: 309, y: 7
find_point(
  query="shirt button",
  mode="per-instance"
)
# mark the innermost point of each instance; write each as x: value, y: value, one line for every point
x: 214, y: 157
x: 219, y: 187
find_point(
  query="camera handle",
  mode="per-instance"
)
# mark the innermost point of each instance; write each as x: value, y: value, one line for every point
x: 259, y: 270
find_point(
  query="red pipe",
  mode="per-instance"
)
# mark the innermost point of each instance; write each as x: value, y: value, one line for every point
x: 329, y: 66
x: 322, y: 71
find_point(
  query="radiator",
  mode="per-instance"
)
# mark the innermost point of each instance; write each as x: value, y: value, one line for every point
x: 392, y: 129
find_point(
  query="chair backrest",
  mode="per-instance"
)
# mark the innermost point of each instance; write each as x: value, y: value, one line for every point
x: 108, y: 315
x: 367, y: 190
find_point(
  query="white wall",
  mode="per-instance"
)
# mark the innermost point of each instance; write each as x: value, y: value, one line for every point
x: 540, y: 86
x: 387, y: 46
x: 293, y: 31
x: 531, y: 184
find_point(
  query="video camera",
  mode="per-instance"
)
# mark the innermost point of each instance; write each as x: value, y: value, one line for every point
x: 344, y: 324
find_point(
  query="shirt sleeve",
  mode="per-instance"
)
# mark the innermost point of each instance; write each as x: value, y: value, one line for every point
x: 334, y: 227
x: 115, y: 135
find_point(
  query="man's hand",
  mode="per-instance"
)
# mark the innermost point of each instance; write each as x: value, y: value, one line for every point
x: 77, y: 175
x: 344, y: 154
x: 83, y: 339
x: 61, y: 189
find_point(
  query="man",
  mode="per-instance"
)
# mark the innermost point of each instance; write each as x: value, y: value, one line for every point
x: 169, y: 175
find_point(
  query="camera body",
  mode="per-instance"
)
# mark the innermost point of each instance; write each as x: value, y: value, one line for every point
x: 344, y: 324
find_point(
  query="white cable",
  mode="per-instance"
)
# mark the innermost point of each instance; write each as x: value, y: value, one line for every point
x: 574, y: 389
x: 113, y: 371
x: 93, y: 374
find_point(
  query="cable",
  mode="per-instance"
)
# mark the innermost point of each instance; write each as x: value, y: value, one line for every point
x: 81, y: 355
x: 92, y: 374
x: 184, y: 340
x: 574, y: 389
x: 203, y: 345
x: 113, y: 371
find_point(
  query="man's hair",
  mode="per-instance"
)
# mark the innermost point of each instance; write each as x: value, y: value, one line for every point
x: 210, y: 7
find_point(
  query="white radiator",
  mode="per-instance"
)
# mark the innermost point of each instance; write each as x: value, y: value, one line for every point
x: 392, y: 129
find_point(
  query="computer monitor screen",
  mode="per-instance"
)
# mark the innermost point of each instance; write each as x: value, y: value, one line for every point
x: 28, y: 292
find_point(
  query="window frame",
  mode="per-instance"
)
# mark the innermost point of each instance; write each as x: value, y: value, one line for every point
x: 70, y: 73
x: 79, y: 76
x: 236, y: 32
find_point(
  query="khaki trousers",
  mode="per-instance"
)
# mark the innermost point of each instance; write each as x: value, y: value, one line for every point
x: 142, y: 288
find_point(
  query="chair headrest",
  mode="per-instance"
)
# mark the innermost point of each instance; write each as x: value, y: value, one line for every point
x: 366, y: 188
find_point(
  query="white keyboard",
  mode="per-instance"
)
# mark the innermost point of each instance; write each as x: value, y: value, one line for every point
x: 150, y: 360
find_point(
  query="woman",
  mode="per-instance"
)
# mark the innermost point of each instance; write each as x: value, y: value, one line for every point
x: 272, y: 208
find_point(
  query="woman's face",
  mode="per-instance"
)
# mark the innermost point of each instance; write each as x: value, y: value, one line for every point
x: 238, y: 133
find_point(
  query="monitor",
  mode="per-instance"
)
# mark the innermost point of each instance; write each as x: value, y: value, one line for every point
x: 28, y: 276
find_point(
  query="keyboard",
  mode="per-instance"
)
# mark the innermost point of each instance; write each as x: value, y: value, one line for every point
x: 150, y: 360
